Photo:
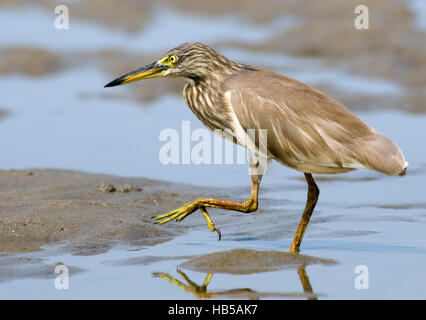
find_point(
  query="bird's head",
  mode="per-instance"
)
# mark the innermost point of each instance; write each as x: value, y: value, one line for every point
x: 192, y: 61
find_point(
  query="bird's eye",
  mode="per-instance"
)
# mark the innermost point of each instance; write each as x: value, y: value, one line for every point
x: 173, y: 59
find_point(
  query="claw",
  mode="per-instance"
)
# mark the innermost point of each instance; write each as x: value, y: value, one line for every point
x: 219, y: 234
x: 210, y: 222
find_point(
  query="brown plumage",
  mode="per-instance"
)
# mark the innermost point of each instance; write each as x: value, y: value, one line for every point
x: 306, y: 129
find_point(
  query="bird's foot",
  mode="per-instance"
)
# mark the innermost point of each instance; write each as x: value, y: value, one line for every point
x: 181, y: 213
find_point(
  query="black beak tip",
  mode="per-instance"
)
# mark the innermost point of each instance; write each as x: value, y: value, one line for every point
x: 114, y: 83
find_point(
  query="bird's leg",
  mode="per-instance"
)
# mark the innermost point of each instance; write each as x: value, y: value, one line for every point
x: 313, y: 193
x: 181, y: 213
x: 306, y: 284
x: 191, y: 287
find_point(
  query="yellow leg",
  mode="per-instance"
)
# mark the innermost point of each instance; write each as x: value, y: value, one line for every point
x: 313, y: 193
x: 181, y: 213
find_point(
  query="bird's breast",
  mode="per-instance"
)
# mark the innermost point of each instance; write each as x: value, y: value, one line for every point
x: 204, y: 102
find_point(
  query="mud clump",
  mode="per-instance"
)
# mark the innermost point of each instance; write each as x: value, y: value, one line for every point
x: 247, y: 261
x: 109, y: 188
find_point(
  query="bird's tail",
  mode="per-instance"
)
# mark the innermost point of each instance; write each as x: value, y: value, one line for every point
x: 384, y: 156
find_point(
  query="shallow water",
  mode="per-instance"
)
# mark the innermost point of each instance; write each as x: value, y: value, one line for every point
x: 362, y: 218
x: 395, y: 269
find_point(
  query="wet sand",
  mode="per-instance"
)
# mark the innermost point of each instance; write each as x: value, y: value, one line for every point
x: 87, y: 212
x: 90, y: 213
x: 246, y: 261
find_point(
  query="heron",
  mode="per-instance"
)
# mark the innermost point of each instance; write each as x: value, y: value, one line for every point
x: 306, y: 129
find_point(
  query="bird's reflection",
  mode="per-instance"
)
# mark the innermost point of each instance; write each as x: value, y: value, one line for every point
x: 201, y: 292
x: 306, y: 284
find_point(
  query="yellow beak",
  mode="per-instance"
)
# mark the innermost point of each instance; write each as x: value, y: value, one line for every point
x: 152, y: 70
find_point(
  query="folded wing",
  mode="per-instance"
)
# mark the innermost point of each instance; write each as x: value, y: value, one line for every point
x: 306, y: 129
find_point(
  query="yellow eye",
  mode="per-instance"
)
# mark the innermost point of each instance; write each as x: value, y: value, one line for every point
x: 173, y: 59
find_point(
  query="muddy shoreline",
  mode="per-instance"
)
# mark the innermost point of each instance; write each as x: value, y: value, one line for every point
x: 40, y: 207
